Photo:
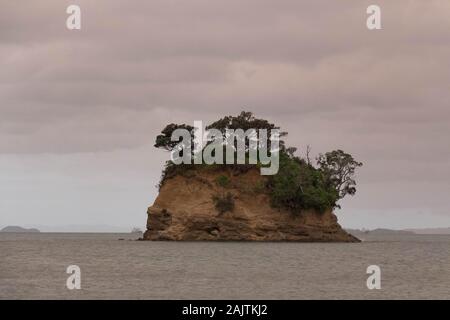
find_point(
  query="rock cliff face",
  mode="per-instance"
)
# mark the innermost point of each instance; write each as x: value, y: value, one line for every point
x: 185, y: 210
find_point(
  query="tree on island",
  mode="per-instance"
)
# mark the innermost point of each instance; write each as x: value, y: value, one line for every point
x: 298, y: 185
x: 339, y: 169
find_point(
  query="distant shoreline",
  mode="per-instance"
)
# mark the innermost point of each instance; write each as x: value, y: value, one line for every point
x: 17, y: 229
x: 411, y: 231
x: 378, y: 231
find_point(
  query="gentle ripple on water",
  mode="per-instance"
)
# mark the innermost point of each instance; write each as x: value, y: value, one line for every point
x: 33, y: 266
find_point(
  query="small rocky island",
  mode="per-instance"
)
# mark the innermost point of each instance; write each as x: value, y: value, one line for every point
x: 236, y: 203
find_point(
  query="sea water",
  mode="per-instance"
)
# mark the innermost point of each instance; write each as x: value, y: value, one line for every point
x: 33, y: 266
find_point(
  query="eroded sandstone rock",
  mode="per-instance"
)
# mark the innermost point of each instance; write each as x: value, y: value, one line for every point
x: 184, y: 210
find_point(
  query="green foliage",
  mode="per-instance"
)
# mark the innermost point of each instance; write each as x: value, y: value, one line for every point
x: 246, y: 120
x: 224, y: 202
x: 259, y: 187
x: 299, y: 186
x: 339, y: 169
x: 164, y: 140
x: 223, y: 181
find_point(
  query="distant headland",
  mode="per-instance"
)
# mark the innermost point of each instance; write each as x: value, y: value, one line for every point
x: 414, y: 231
x: 18, y: 229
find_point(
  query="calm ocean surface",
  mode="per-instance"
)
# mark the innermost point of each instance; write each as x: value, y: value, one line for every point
x: 33, y: 266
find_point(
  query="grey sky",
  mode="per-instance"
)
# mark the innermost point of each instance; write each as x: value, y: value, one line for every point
x: 80, y: 109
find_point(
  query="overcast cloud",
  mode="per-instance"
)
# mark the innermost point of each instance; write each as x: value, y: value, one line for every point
x: 79, y: 110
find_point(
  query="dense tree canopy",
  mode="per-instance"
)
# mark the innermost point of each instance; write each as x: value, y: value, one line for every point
x: 245, y: 121
x: 298, y: 185
x: 164, y: 140
x: 339, y: 169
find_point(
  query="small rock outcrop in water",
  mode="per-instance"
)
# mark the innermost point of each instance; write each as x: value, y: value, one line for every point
x: 185, y: 209
x: 136, y: 230
x: 18, y: 229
